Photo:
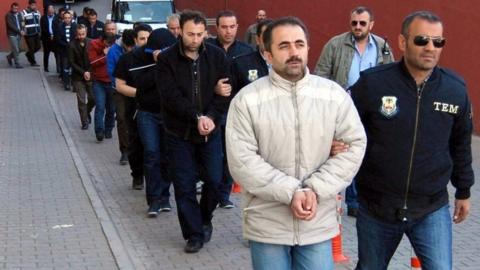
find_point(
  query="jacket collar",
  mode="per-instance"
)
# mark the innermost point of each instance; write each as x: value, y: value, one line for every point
x: 280, y: 82
x: 181, y: 50
x: 406, y: 73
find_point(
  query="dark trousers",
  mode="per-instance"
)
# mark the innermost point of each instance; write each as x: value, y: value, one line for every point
x: 135, y: 147
x: 48, y: 47
x: 66, y: 70
x: 181, y: 157
x: 227, y: 180
x: 85, y: 99
x: 155, y: 162
x: 122, y: 129
x: 34, y: 45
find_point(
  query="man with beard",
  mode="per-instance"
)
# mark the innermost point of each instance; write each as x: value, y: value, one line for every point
x: 187, y: 75
x: 418, y: 119
x: 81, y: 74
x: 342, y: 59
x: 279, y: 132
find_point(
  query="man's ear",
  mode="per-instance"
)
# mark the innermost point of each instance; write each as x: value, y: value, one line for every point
x: 269, y: 57
x: 402, y: 43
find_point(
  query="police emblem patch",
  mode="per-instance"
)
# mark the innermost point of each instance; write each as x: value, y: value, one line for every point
x: 252, y: 75
x: 389, y: 106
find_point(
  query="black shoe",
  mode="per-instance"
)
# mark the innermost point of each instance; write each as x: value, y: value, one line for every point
x: 207, y: 232
x: 99, y: 137
x: 193, y: 246
x: 46, y: 70
x: 153, y: 209
x: 9, y: 60
x: 226, y: 205
x: 165, y: 206
x: 124, y: 159
x: 84, y: 126
x: 67, y: 87
x: 18, y: 66
x: 34, y: 64
x: 352, y: 212
x: 108, y: 134
x: 137, y: 183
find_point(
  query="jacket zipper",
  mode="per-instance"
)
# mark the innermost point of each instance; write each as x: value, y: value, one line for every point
x: 297, y: 153
x: 412, y: 154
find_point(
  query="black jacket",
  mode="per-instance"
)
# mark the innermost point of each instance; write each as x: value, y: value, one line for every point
x: 61, y: 36
x: 46, y: 35
x: 236, y: 49
x: 95, y: 31
x: 246, y: 69
x: 185, y: 98
x: 429, y: 151
x: 78, y: 58
x: 11, y: 24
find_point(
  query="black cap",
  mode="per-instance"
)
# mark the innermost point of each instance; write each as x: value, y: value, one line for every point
x: 160, y: 39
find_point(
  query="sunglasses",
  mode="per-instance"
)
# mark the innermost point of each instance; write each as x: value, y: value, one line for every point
x: 362, y: 23
x: 438, y: 42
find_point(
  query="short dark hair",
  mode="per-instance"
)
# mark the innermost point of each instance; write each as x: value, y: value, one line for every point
x: 32, y: 2
x: 261, y: 24
x: 92, y: 12
x: 67, y: 12
x: 128, y: 37
x: 81, y: 26
x: 290, y: 20
x: 192, y: 15
x: 142, y: 27
x: 422, y: 14
x: 224, y: 13
x: 108, y: 37
x: 362, y: 9
x: 14, y: 4
x: 86, y: 9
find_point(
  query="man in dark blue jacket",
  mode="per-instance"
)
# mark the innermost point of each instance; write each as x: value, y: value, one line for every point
x: 94, y: 26
x: 226, y: 39
x: 418, y: 122
x: 64, y: 34
x: 187, y: 75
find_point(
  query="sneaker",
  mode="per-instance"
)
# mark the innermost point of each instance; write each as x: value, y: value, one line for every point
x: 137, y: 183
x: 84, y: 126
x: 165, y: 206
x: 124, y: 159
x: 199, y: 187
x: 153, y: 209
x: 108, y: 134
x: 99, y: 136
x: 9, y: 60
x: 226, y: 205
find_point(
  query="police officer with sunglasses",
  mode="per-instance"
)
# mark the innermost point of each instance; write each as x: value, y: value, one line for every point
x: 418, y: 120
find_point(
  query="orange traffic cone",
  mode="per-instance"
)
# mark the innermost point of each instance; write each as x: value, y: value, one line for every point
x: 337, y: 250
x: 236, y: 188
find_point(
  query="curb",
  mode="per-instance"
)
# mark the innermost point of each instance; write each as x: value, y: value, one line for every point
x: 118, y: 249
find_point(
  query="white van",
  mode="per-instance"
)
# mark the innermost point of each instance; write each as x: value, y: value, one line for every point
x: 152, y: 12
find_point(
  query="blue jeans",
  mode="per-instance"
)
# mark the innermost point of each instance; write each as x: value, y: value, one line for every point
x: 351, y: 195
x: 282, y: 257
x: 104, y: 107
x: 431, y: 238
x: 182, y: 155
x: 155, y: 164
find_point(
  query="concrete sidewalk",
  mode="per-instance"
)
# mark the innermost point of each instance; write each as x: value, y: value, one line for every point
x: 52, y: 173
x: 46, y: 218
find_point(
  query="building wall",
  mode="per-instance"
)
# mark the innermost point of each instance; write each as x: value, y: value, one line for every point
x: 326, y: 18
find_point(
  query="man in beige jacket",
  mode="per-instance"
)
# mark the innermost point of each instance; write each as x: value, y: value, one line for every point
x: 279, y: 133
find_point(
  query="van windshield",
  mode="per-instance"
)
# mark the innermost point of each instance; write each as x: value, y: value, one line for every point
x: 142, y: 11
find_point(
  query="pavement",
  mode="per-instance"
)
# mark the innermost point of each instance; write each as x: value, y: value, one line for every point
x: 66, y: 203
